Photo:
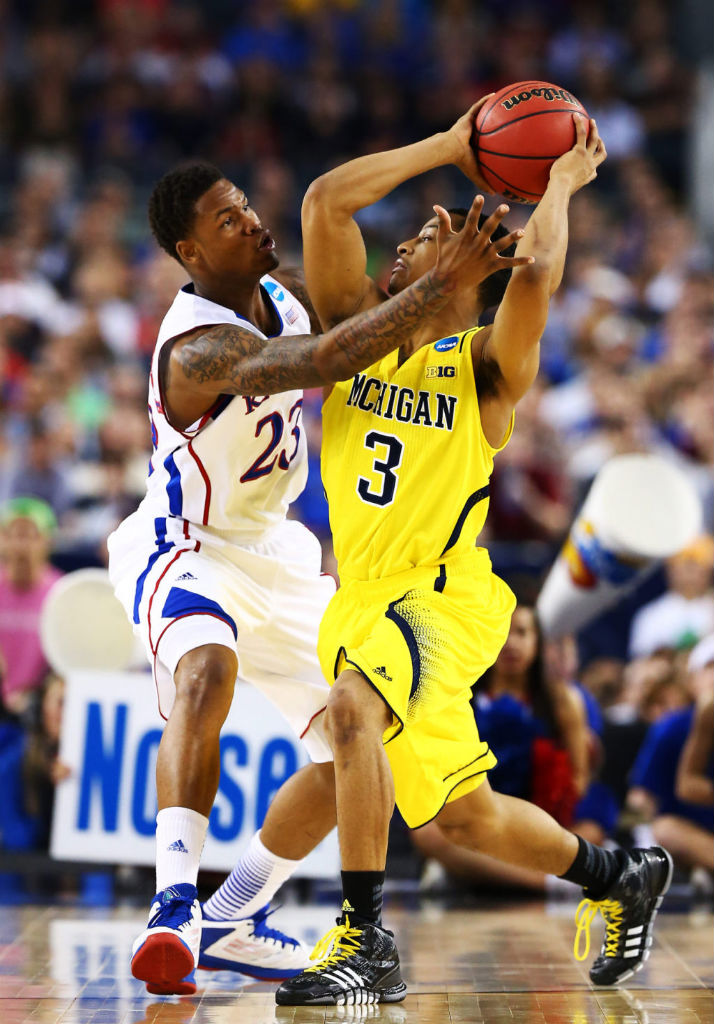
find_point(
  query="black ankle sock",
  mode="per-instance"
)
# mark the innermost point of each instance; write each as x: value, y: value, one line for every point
x: 362, y: 890
x: 595, y: 868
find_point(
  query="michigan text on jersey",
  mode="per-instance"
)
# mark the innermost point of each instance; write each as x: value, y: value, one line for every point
x: 391, y: 402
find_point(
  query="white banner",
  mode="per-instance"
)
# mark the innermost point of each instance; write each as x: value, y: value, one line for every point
x: 105, y: 811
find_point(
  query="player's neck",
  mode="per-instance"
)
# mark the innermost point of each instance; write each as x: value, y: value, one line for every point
x: 457, y: 317
x: 245, y: 297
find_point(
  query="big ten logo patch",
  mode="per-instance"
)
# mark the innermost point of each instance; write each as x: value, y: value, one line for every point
x: 440, y: 371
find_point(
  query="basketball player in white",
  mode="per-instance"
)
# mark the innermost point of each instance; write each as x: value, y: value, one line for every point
x: 214, y: 578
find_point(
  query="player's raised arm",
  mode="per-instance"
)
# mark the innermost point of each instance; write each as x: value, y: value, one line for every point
x: 227, y: 359
x: 514, y: 339
x: 334, y: 254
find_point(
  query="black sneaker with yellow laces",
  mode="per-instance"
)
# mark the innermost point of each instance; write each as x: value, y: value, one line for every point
x: 356, y: 964
x: 629, y: 908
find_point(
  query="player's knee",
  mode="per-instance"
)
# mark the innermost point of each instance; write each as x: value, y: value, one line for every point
x: 205, y: 679
x: 354, y: 712
x: 473, y: 819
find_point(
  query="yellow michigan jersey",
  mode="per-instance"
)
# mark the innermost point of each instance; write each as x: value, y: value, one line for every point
x: 419, y: 613
x: 405, y: 463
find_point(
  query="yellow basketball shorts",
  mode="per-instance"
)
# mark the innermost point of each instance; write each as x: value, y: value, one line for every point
x: 422, y: 638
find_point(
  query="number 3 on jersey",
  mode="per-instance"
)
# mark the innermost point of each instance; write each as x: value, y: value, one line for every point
x: 392, y: 449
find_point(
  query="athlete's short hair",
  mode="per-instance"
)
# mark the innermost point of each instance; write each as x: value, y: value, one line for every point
x: 172, y: 204
x: 492, y: 290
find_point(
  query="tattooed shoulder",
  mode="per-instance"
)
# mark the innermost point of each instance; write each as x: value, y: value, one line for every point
x: 212, y: 354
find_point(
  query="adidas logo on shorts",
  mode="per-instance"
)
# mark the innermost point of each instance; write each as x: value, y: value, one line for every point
x: 382, y: 671
x: 177, y: 847
x: 186, y: 576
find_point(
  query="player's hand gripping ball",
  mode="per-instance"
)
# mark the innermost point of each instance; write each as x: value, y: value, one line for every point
x: 519, y: 133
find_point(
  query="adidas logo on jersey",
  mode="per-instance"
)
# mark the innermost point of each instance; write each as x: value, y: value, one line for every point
x: 177, y: 847
x: 382, y: 671
x: 186, y: 576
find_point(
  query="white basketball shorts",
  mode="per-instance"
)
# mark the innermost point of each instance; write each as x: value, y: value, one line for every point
x: 184, y: 587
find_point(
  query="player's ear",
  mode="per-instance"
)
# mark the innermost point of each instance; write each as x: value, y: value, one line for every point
x: 186, y: 251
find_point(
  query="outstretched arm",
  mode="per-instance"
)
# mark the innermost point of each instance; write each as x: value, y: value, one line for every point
x: 507, y: 356
x: 334, y: 254
x: 227, y: 359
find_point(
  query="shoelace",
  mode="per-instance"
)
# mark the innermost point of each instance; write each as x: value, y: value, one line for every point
x: 611, y: 911
x: 264, y: 931
x: 343, y: 940
x: 173, y: 914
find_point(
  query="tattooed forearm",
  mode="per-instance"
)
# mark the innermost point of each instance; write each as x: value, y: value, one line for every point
x: 235, y: 361
x: 232, y: 360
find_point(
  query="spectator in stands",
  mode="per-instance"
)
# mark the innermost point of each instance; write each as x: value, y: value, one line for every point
x: 672, y: 780
x: 30, y: 769
x: 42, y: 769
x: 26, y: 576
x: 685, y: 613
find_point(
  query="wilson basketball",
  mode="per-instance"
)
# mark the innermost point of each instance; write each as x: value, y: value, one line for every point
x: 520, y: 132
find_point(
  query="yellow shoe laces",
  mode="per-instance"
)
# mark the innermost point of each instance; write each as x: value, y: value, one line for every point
x: 339, y: 943
x: 611, y: 911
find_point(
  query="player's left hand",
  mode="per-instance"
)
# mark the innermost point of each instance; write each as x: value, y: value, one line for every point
x: 459, y: 141
x: 579, y: 165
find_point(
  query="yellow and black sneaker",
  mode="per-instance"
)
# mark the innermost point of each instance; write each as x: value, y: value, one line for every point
x: 629, y: 908
x: 356, y: 964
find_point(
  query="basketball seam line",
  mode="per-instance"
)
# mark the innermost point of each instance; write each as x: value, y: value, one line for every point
x: 516, y: 189
x: 534, y: 113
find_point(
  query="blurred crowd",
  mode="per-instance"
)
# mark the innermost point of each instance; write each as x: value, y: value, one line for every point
x: 97, y: 100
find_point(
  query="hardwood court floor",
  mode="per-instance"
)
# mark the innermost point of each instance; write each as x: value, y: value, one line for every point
x: 513, y: 963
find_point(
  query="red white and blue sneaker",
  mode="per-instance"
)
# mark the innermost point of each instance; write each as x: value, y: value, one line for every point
x: 166, y: 953
x: 250, y: 946
x: 629, y: 908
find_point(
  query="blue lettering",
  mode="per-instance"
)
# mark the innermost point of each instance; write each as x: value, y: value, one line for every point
x: 235, y: 751
x: 145, y: 824
x: 102, y: 767
x: 278, y: 763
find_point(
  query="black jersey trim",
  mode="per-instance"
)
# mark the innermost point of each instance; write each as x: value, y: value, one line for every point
x: 436, y: 814
x: 468, y: 764
x: 411, y: 642
x: 474, y: 499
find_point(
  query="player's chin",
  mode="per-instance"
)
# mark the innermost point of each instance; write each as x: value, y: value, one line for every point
x: 270, y: 259
x: 397, y: 282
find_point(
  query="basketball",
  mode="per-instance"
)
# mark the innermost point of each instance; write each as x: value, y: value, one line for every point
x: 518, y: 134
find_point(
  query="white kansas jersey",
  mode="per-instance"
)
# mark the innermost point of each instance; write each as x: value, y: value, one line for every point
x: 240, y: 466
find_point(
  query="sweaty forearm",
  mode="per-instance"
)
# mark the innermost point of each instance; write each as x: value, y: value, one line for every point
x: 360, y: 183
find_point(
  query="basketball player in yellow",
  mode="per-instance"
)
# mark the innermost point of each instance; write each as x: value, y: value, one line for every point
x: 408, y: 449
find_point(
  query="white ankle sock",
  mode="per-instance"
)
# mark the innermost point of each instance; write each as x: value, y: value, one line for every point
x: 180, y: 835
x: 251, y: 884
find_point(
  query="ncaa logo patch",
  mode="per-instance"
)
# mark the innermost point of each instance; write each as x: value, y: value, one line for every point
x: 446, y: 344
x: 274, y: 290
